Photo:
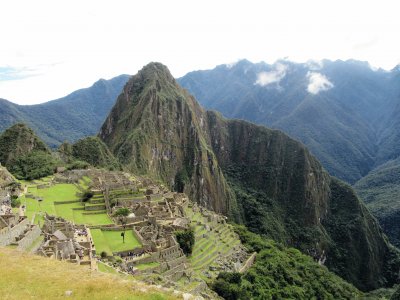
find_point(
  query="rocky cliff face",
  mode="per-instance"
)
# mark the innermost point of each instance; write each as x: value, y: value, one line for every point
x: 257, y: 176
x: 155, y: 128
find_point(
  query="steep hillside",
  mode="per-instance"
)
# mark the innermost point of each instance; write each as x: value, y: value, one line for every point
x: 253, y: 174
x: 380, y: 189
x: 79, y: 114
x: 24, y: 154
x: 154, y: 129
x: 93, y: 151
x: 18, y: 140
x: 26, y: 276
x: 340, y: 110
x: 281, y: 273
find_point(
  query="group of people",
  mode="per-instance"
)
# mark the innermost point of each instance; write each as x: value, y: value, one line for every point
x: 131, y: 255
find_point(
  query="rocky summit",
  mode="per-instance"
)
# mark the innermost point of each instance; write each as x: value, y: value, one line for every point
x: 252, y: 174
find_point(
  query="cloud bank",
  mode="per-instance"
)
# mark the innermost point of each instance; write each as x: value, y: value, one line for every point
x: 274, y: 76
x: 12, y: 73
x: 318, y: 83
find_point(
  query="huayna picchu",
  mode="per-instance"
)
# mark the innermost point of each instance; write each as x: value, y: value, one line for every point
x: 254, y: 175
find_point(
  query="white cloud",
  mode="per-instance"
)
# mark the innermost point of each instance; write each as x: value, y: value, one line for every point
x: 274, y: 76
x: 317, y: 83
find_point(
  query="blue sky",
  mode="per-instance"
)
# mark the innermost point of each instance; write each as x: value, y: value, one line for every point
x: 51, y: 48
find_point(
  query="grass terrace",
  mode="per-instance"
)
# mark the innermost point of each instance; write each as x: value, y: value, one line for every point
x: 62, y: 200
x: 111, y: 241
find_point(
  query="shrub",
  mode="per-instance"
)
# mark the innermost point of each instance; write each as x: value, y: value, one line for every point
x: 78, y: 164
x: 186, y: 240
x: 124, y: 212
x: 86, y: 196
x: 15, y: 201
x: 33, y: 165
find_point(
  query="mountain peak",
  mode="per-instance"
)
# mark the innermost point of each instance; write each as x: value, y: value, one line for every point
x: 156, y: 70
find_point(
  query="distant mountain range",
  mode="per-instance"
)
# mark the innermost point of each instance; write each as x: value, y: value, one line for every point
x: 77, y: 115
x: 344, y: 111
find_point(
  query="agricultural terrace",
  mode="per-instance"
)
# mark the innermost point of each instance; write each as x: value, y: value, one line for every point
x: 63, y: 200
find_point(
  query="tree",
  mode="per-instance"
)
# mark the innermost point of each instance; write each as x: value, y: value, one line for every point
x: 122, y: 212
x: 186, y: 240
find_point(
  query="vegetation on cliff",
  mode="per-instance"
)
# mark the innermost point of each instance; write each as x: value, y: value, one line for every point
x: 380, y: 190
x: 186, y: 240
x: 24, y: 154
x: 281, y: 273
x: 93, y: 151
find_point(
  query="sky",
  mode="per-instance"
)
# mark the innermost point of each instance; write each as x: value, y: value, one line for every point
x: 50, y: 48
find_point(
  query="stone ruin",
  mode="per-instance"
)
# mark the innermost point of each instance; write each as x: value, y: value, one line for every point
x: 17, y: 230
x: 66, y: 241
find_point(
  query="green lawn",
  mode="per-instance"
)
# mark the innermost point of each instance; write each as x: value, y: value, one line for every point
x: 147, y: 266
x: 59, y: 192
x: 100, y: 242
x: 91, y: 219
x: 111, y: 241
x: 68, y: 211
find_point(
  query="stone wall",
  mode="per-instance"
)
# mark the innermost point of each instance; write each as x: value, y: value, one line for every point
x: 95, y: 207
x: 8, y: 235
x: 249, y: 262
x: 29, y: 238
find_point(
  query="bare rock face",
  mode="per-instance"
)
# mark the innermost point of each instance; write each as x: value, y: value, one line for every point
x: 254, y: 175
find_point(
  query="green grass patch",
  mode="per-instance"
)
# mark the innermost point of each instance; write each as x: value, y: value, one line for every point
x: 111, y: 241
x: 147, y: 266
x: 69, y: 211
x: 58, y: 192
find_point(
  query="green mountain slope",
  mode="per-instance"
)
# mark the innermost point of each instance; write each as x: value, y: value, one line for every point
x: 281, y: 273
x: 77, y: 115
x: 255, y: 175
x: 24, y: 154
x: 380, y: 189
x: 93, y: 151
